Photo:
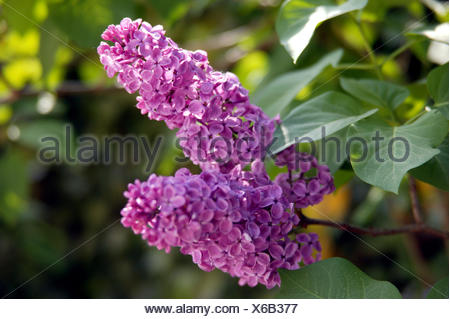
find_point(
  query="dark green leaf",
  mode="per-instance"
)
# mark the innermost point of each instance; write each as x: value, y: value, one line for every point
x: 435, y: 171
x: 333, y: 278
x: 14, y: 185
x: 297, y: 20
x: 171, y: 10
x: 376, y: 92
x: 83, y: 21
x: 385, y: 159
x: 329, y: 112
x: 276, y: 95
x: 365, y: 213
x: 31, y: 133
x: 330, y: 151
x: 437, y: 83
x: 439, y: 290
x: 377, y: 9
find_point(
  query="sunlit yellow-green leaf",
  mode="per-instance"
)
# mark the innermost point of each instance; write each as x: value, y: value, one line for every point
x: 40, y: 10
x: 17, y: 44
x: 251, y: 69
x: 5, y: 114
x: 22, y: 71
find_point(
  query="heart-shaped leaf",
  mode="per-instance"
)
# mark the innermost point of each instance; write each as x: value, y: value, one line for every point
x: 333, y: 278
x: 376, y: 92
x: 297, y: 20
x: 330, y: 151
x: 437, y: 84
x: 381, y: 154
x: 277, y: 94
x: 317, y: 118
x: 435, y: 171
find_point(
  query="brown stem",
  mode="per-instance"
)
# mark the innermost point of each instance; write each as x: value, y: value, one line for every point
x: 414, y: 200
x: 412, y: 228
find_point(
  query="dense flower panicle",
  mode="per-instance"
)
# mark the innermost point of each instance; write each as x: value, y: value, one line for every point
x: 306, y: 182
x: 226, y: 218
x: 237, y: 222
x: 218, y: 126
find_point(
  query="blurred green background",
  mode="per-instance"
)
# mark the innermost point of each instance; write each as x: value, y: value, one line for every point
x: 51, y: 215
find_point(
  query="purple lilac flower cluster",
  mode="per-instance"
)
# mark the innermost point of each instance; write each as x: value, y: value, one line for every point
x: 237, y: 222
x: 218, y: 126
x: 227, y: 218
x: 306, y: 182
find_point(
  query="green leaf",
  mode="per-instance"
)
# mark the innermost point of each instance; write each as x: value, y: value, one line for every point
x: 83, y: 21
x: 171, y: 10
x: 329, y: 112
x: 366, y: 212
x: 31, y: 133
x: 330, y: 151
x: 342, y: 177
x: 435, y: 171
x: 276, y: 95
x: 297, y: 20
x: 333, y: 278
x: 251, y: 69
x: 14, y: 187
x: 385, y: 159
x: 18, y: 14
x: 437, y: 84
x: 443, y: 110
x: 376, y: 10
x: 439, y: 290
x: 436, y: 33
x: 47, y: 50
x: 376, y: 92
